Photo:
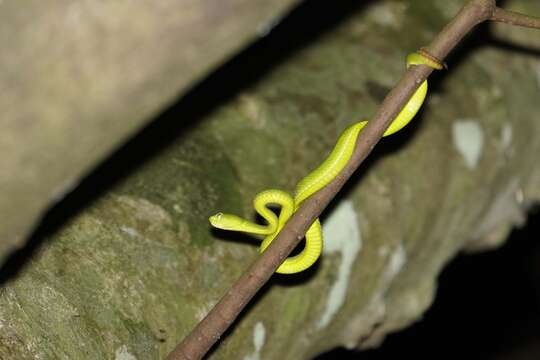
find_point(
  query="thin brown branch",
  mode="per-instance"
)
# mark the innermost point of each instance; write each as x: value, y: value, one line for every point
x: 514, y: 18
x: 224, y: 313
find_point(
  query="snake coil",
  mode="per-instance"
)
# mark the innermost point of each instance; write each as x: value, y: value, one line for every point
x: 315, y: 181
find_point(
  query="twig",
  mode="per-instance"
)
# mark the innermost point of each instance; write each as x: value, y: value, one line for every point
x: 514, y: 18
x: 210, y: 329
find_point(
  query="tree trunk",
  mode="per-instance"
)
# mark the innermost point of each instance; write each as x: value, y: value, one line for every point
x: 80, y: 77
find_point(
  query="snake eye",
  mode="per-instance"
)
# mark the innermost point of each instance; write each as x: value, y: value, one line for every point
x: 216, y: 220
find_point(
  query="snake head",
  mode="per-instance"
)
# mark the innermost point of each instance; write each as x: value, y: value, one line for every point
x: 225, y: 221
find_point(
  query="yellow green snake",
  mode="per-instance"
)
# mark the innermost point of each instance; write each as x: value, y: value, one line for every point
x: 313, y: 182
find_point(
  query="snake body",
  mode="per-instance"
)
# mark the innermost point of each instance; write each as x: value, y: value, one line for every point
x: 315, y: 181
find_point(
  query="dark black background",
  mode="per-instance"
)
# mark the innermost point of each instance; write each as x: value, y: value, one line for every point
x: 487, y: 307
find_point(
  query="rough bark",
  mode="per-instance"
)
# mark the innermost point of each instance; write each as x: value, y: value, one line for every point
x: 79, y: 77
x: 134, y: 271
